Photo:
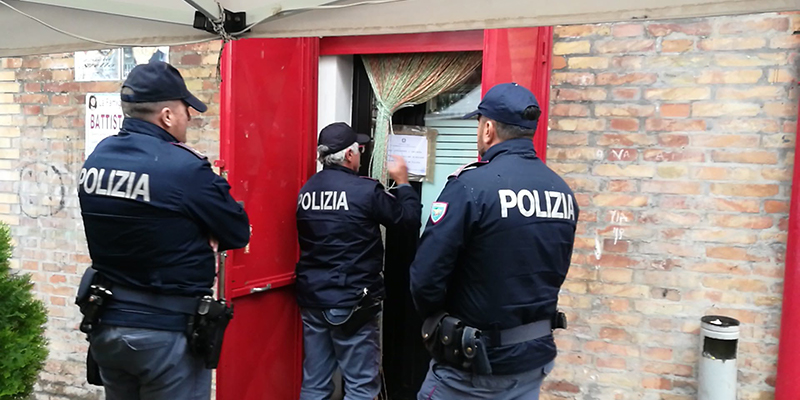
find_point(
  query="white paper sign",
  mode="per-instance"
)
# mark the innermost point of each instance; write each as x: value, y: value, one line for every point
x: 98, y: 65
x: 114, y: 64
x: 103, y: 118
x: 414, y: 149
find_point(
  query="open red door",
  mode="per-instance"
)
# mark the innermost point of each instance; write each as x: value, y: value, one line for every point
x: 268, y: 138
x: 521, y: 55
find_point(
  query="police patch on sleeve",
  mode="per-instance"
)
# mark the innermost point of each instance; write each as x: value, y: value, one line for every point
x: 438, y: 209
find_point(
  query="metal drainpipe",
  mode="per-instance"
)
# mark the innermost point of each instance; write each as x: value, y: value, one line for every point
x: 716, y: 378
x: 787, y: 384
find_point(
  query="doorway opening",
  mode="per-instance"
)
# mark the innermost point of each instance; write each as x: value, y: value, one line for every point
x: 405, y: 360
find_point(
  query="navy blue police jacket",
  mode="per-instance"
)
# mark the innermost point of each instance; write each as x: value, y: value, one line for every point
x: 338, y: 224
x: 496, y: 250
x: 149, y: 206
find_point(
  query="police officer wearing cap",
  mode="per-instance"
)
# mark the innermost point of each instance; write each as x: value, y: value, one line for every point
x: 492, y: 259
x: 154, y: 214
x: 339, y: 280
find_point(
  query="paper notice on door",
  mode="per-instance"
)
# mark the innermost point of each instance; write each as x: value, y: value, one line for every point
x: 414, y: 149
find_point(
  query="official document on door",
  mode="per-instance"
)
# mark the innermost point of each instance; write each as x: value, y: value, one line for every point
x: 414, y: 149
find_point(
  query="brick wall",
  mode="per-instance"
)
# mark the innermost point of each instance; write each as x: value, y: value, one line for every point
x: 678, y: 138
x: 41, y: 153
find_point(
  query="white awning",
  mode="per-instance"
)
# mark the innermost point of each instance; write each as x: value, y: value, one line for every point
x: 97, y: 24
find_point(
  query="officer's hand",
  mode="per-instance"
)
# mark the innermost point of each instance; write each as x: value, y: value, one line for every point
x: 398, y: 170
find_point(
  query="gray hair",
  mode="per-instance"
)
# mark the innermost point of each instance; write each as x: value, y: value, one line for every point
x: 335, y: 158
x: 143, y: 111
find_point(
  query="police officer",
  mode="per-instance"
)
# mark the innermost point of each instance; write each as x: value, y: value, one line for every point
x: 154, y: 211
x: 339, y: 280
x: 493, y: 257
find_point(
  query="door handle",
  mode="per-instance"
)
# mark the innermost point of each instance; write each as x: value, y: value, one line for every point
x: 261, y: 289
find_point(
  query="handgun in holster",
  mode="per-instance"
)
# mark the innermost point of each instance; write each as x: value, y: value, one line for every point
x: 206, y: 329
x: 367, y: 308
x: 451, y: 342
x: 93, y: 296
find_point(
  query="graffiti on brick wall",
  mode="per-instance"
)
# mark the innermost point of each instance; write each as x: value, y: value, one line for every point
x: 41, y: 190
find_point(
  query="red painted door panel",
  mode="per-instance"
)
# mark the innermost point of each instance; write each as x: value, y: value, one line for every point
x: 521, y: 55
x: 267, y: 147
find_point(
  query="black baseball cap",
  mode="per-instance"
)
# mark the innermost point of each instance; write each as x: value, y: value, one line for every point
x: 159, y: 81
x: 507, y: 103
x: 339, y: 136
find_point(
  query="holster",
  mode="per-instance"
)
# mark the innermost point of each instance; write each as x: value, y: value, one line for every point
x: 451, y: 342
x: 92, y: 369
x: 206, y: 329
x: 363, y: 312
x: 92, y: 297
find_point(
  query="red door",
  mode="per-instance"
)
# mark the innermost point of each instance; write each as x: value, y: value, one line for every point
x: 268, y: 142
x: 521, y: 55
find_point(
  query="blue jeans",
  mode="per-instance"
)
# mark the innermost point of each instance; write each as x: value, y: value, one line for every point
x: 444, y: 382
x: 325, y: 347
x: 146, y: 364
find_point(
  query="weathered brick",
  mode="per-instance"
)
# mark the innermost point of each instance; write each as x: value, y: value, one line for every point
x: 748, y: 125
x: 717, y: 44
x: 640, y: 171
x: 626, y: 79
x: 678, y: 94
x: 706, y: 109
x: 618, y: 200
x: 675, y: 125
x: 578, y: 47
x: 626, y: 93
x: 588, y: 62
x: 625, y: 46
x: 579, y: 124
x: 785, y: 42
x: 622, y: 186
x: 759, y: 25
x: 627, y: 30
x: 569, y: 110
x: 732, y: 253
x: 628, y: 62
x: 776, y: 207
x: 733, y: 205
x: 744, y: 190
x: 573, y: 78
x: 625, y: 139
x: 672, y: 172
x: 677, y: 46
x: 588, y: 94
x: 737, y: 284
x: 673, y: 156
x: 692, y: 29
x: 748, y: 60
x: 9, y: 87
x: 777, y: 174
x: 624, y: 110
x: 622, y: 154
x: 672, y: 187
x: 729, y: 77
x: 678, y: 62
x: 582, y: 30
x: 567, y: 139
x: 625, y: 124
x: 784, y: 109
x: 728, y: 140
x: 746, y: 157
x: 741, y: 221
x: 672, y: 140
x: 674, y: 110
x: 757, y: 92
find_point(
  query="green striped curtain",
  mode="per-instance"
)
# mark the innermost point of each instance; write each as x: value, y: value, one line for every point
x: 401, y: 80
